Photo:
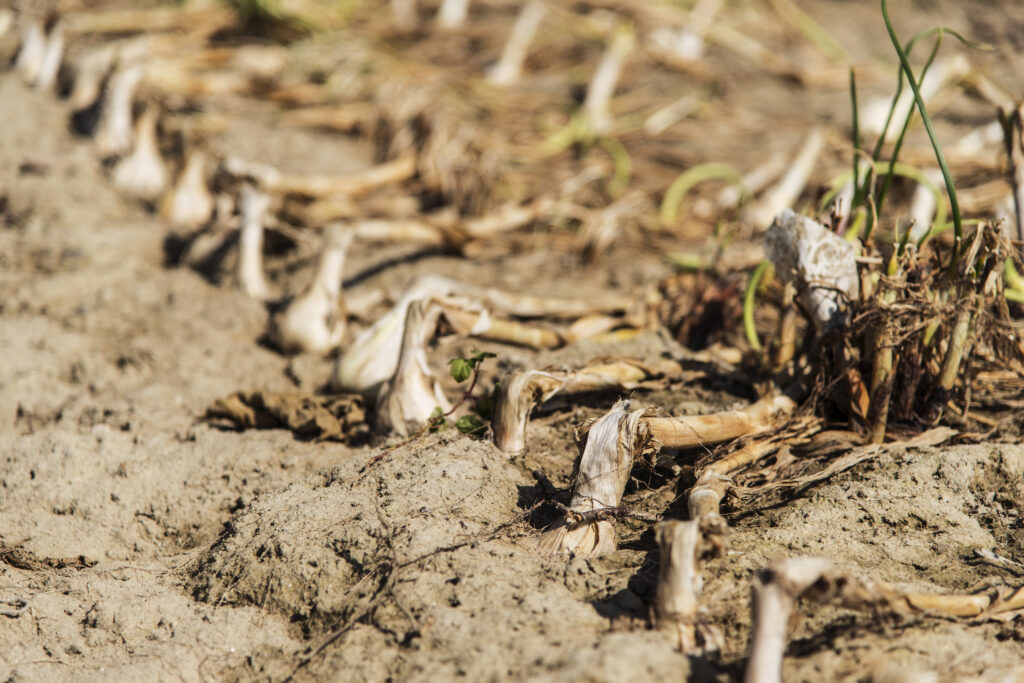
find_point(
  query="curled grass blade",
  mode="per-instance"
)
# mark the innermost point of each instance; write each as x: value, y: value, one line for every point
x: 749, y: 298
x: 689, y: 179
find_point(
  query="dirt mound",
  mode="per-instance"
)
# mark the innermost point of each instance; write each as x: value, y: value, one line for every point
x: 428, y: 546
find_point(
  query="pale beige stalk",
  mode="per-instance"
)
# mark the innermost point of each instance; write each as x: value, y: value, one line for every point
x: 705, y: 430
x: 253, y: 206
x: 114, y: 131
x: 452, y: 14
x: 510, y: 65
x: 519, y: 393
x: 53, y: 55
x: 32, y: 51
x: 355, y: 183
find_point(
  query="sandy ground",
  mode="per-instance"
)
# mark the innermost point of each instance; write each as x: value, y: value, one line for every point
x: 139, y: 543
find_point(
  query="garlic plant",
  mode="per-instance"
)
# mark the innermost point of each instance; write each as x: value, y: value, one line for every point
x: 409, y: 398
x: 114, y: 132
x: 90, y: 71
x: 373, y: 356
x: 253, y: 206
x: 142, y: 173
x: 617, y: 438
x: 189, y: 204
x: 314, y: 321
x: 510, y: 65
x: 611, y: 446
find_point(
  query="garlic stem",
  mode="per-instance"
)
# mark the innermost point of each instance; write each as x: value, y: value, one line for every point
x: 611, y: 445
x: 114, y: 133
x: 510, y: 66
x: 943, y: 72
x: 697, y: 430
x: 253, y: 206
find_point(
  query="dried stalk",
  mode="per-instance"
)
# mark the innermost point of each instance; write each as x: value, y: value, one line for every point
x: 777, y: 590
x: 519, y: 393
x: 671, y: 114
x: 713, y: 481
x: 881, y: 376
x: 143, y: 173
x: 784, y: 194
x: 408, y: 400
x: 597, y: 106
x: 682, y: 548
x: 509, y: 67
x: 190, y: 203
x: 355, y: 183
x: 253, y: 205
x: 705, y: 430
x: 774, y: 597
x: 611, y: 445
x: 314, y: 321
x: 472, y: 319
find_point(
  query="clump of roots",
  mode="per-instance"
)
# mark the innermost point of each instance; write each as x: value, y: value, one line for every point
x: 924, y: 338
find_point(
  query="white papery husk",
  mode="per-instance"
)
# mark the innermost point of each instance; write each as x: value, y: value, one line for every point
x: 611, y: 446
x: 373, y: 357
x: 821, y: 264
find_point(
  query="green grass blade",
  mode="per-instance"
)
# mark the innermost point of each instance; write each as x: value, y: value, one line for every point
x: 927, y: 121
x: 690, y: 178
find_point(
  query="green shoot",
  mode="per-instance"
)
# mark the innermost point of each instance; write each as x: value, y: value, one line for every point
x: 462, y: 369
x: 689, y: 179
